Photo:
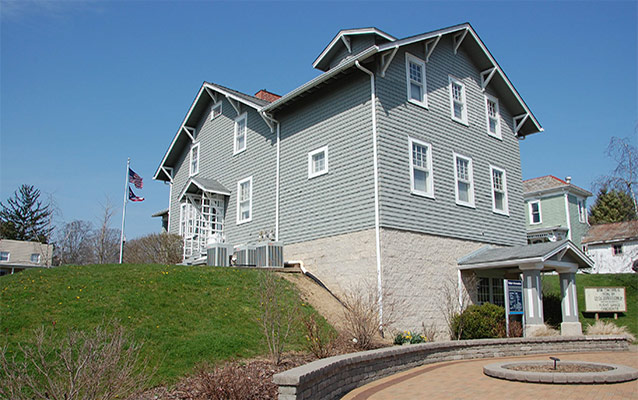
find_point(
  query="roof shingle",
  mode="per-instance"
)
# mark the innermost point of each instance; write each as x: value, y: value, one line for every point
x: 611, y: 232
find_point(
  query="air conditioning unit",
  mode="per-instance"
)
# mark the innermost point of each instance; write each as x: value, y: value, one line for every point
x: 245, y: 255
x: 218, y: 254
x: 270, y: 254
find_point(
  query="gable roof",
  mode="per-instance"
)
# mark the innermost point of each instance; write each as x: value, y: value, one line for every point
x: 195, y: 185
x: 532, y: 253
x: 340, y: 40
x: 549, y: 184
x: 616, y: 232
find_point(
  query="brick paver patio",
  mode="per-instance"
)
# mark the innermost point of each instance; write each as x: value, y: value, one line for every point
x: 465, y: 380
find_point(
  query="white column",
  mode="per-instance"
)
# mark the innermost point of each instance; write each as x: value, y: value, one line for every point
x: 532, y: 297
x: 569, y: 302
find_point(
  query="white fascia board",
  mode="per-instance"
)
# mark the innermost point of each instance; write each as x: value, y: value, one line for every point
x: 205, y: 85
x: 349, y: 32
x: 575, y: 190
x: 321, y: 78
x: 571, y: 246
x: 456, y: 28
x: 500, y: 264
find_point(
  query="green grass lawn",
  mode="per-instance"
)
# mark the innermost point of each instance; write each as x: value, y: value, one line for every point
x: 629, y: 281
x: 184, y: 315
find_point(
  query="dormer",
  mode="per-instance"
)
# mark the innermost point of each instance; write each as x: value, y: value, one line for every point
x: 350, y: 42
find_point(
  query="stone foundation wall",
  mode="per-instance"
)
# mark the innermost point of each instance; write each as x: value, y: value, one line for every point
x: 331, y: 378
x: 341, y: 262
x: 420, y: 273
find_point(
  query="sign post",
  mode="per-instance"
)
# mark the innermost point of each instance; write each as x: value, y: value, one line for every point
x: 605, y: 300
x: 513, y: 301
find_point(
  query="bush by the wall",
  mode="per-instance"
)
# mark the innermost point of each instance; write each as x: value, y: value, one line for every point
x: 479, y: 322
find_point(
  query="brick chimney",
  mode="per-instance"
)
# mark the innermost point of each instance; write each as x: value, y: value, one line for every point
x: 266, y: 95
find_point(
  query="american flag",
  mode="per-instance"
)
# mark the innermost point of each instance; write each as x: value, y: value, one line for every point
x: 135, y: 179
x: 133, y: 197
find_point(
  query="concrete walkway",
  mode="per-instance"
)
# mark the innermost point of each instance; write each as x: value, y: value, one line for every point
x: 465, y: 380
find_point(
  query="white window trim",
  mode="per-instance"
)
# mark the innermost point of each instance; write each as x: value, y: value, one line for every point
x: 190, y: 165
x: 531, y: 215
x: 581, y: 217
x: 312, y: 174
x: 463, y: 119
x: 498, y: 134
x: 430, y: 182
x: 470, y: 203
x: 250, y: 201
x: 505, y: 210
x: 212, y: 114
x: 8, y: 256
x: 38, y: 260
x: 243, y: 116
x: 424, y: 102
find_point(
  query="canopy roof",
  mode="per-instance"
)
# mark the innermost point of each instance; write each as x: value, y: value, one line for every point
x: 198, y: 185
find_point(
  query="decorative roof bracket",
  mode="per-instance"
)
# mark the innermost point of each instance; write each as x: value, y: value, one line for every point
x: 190, y: 132
x: 486, y: 77
x: 458, y: 39
x: 346, y: 41
x: 519, y: 120
x: 211, y: 94
x: 236, y: 105
x: 385, y: 62
x: 269, y: 120
x: 168, y: 173
x: 430, y: 45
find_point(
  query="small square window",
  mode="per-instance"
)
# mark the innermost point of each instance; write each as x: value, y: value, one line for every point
x: 617, y: 249
x: 4, y: 255
x: 35, y: 258
x: 216, y: 110
x: 318, y: 162
x: 194, y: 164
x: 240, y: 134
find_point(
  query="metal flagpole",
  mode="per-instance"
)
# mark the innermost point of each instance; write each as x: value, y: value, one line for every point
x: 128, y: 166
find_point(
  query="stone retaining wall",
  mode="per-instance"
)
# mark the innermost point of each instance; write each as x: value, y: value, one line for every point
x: 333, y: 377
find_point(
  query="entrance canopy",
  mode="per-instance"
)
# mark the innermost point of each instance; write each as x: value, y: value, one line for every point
x: 199, y: 185
x: 552, y: 255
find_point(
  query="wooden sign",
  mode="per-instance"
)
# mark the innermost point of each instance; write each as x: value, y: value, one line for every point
x: 605, y: 299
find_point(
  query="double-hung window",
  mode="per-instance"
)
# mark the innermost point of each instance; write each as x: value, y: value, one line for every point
x: 194, y: 164
x: 535, y: 212
x: 318, y: 162
x: 493, y: 116
x: 582, y: 211
x: 421, y: 181
x: 457, y: 100
x: 499, y: 191
x: 415, y: 77
x: 240, y: 133
x: 216, y: 110
x: 4, y: 255
x: 245, y: 200
x: 463, y: 172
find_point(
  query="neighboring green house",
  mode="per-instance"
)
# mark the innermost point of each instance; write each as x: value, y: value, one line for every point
x: 556, y: 210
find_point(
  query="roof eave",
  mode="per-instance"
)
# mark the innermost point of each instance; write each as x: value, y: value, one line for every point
x: 347, y: 32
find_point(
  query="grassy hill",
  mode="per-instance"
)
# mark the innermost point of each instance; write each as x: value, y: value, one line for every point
x: 184, y: 315
x: 629, y: 281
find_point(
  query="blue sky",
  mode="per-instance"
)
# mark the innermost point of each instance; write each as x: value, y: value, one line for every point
x: 86, y: 84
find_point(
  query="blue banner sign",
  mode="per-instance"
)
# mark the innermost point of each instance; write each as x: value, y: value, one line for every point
x: 515, y: 297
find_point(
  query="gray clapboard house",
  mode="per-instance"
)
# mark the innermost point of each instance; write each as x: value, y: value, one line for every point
x: 399, y: 159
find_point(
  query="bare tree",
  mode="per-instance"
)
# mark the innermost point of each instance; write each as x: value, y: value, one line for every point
x: 105, y: 238
x: 456, y: 295
x: 625, y: 176
x: 74, y: 243
x: 156, y: 248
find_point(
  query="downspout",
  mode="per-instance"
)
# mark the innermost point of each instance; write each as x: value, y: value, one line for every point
x: 377, y: 232
x: 277, y: 190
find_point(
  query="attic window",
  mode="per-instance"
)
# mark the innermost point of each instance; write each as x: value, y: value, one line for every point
x: 415, y: 76
x: 194, y: 165
x: 240, y: 134
x: 216, y: 110
x: 493, y: 116
x: 457, y: 101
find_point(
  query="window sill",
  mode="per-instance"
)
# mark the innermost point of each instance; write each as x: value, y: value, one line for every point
x: 468, y: 205
x: 500, y: 212
x: 460, y: 121
x: 239, y: 151
x: 310, y: 176
x: 499, y: 137
x: 422, y: 104
x: 244, y: 221
x: 422, y: 194
x: 536, y: 223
